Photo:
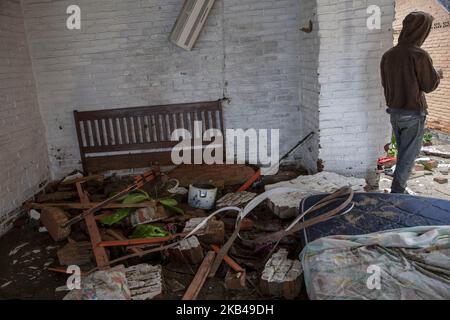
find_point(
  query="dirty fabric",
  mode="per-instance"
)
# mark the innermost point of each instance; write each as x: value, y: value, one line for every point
x: 412, y: 263
x: 103, y: 285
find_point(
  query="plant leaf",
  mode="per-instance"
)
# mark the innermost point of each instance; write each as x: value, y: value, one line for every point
x: 168, y: 202
x: 174, y: 209
x: 148, y: 231
x: 118, y: 216
x: 134, y: 198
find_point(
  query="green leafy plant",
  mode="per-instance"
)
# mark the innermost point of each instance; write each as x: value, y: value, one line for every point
x: 171, y: 204
x: 393, y: 151
x: 118, y: 216
x: 427, y: 138
x: 135, y: 197
x: 148, y: 231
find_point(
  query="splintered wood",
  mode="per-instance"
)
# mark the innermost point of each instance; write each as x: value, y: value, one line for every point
x: 144, y: 281
x: 282, y: 277
x: 188, y: 250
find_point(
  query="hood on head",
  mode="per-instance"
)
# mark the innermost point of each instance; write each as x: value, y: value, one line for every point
x: 416, y: 28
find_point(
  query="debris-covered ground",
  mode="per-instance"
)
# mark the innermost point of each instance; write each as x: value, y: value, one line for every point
x: 431, y: 174
x: 37, y: 253
x: 34, y: 263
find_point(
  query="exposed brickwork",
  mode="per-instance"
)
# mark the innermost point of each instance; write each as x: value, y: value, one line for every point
x: 23, y: 151
x: 438, y: 45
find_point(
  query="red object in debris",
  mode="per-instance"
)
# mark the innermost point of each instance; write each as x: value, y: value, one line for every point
x: 387, y: 160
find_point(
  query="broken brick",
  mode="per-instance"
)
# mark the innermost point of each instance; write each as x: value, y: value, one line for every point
x: 441, y: 180
x: 212, y: 233
x: 235, y: 280
x: 188, y: 250
x: 282, y: 277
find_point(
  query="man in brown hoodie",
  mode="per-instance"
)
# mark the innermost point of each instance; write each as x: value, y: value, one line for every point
x: 407, y: 73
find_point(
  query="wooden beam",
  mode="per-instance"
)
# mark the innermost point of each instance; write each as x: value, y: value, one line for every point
x: 200, y: 278
x: 230, y: 262
x: 84, y: 206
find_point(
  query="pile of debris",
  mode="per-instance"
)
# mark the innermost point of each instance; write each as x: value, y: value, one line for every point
x: 430, y: 176
x: 127, y: 233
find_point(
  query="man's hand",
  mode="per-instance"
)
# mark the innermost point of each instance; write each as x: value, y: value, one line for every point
x: 440, y: 73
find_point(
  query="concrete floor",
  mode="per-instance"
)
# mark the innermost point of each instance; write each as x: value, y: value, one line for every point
x: 422, y: 183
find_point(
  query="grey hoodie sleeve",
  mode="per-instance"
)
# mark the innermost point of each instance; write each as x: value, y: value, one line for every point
x: 427, y: 75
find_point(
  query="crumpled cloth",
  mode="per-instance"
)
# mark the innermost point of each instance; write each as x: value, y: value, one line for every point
x: 103, y: 285
x: 410, y: 264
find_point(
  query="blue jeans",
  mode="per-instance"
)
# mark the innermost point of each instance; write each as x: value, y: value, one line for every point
x: 408, y: 131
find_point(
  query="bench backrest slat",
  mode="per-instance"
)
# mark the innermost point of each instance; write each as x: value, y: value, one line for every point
x: 139, y: 129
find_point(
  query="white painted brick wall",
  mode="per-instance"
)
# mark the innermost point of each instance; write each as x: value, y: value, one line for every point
x: 309, y: 87
x: 122, y: 58
x: 354, y: 126
x: 23, y: 151
x: 276, y: 76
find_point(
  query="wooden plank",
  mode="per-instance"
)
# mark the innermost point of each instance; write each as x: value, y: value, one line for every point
x: 124, y: 112
x: 93, y: 124
x: 123, y: 132
x: 119, y: 236
x: 200, y: 278
x: 227, y: 259
x: 80, y: 139
x: 130, y: 131
x: 127, y: 138
x: 131, y: 147
x: 101, y: 257
x: 109, y: 136
x: 83, y: 206
x: 102, y: 139
x: 116, y: 132
x: 230, y: 174
x: 117, y: 162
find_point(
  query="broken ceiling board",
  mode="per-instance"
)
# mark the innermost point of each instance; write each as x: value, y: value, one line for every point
x: 144, y: 281
x: 217, y: 174
x: 188, y: 250
x: 282, y: 277
x: 286, y: 205
x: 442, y: 151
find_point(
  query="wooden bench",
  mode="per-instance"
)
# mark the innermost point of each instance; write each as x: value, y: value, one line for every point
x: 138, y: 137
